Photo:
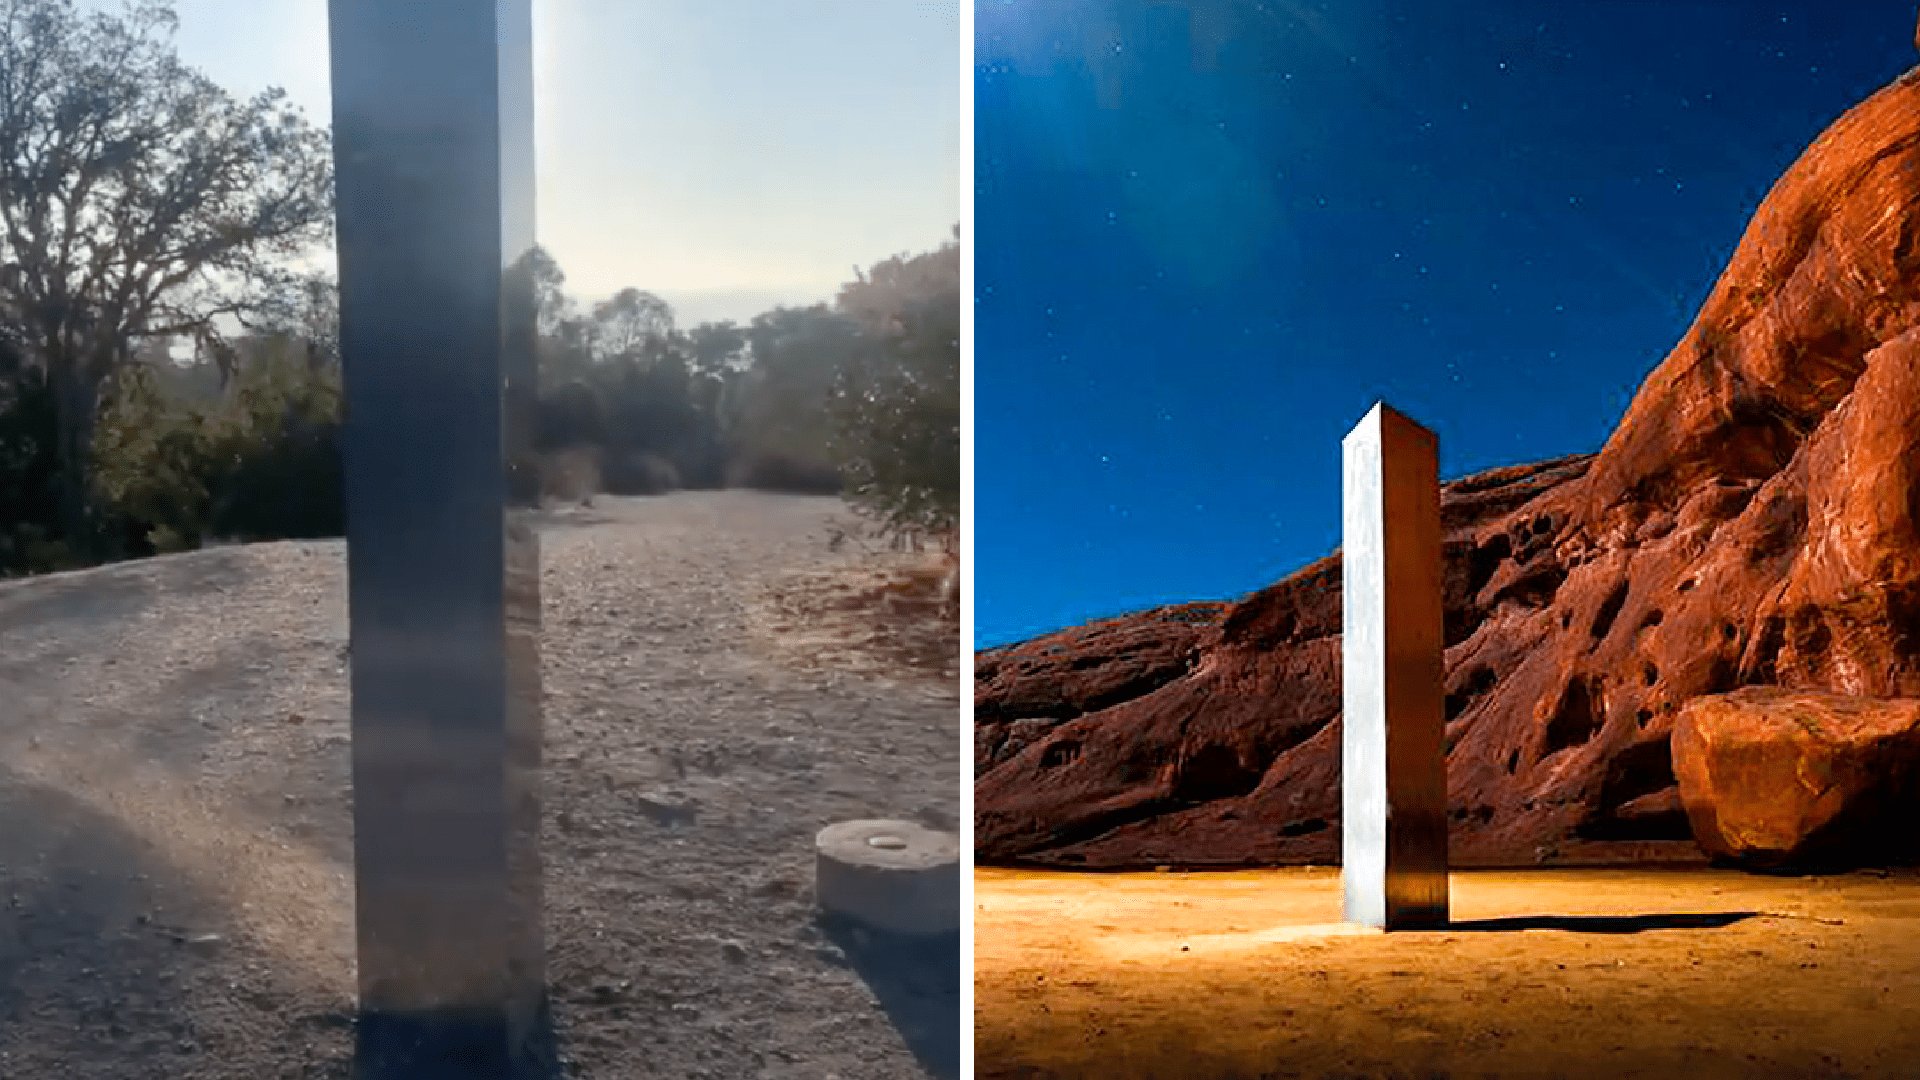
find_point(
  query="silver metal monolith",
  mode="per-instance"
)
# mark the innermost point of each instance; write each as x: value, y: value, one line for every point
x: 1393, y: 761
x: 433, y: 157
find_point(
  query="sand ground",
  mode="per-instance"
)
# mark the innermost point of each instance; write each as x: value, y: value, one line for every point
x: 723, y: 678
x: 1619, y: 973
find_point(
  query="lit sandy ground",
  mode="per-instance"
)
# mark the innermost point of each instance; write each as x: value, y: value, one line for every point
x: 1695, y: 974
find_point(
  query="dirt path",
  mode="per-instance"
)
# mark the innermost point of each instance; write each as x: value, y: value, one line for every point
x: 1650, y: 974
x: 175, y: 861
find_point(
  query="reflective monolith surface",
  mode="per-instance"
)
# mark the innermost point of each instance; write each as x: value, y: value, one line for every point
x: 1393, y: 760
x: 433, y: 154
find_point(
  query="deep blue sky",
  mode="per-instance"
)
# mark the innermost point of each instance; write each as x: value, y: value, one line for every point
x: 1207, y: 243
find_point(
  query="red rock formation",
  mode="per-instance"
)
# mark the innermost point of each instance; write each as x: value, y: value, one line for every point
x: 1774, y: 777
x: 1754, y: 519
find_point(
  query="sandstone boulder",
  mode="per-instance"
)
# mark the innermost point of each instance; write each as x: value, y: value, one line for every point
x: 1752, y: 521
x: 1773, y: 777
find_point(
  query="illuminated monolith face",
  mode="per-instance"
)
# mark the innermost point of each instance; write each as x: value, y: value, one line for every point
x: 1393, y: 763
x: 433, y: 151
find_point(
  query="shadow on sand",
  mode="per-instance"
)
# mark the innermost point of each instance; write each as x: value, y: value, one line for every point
x: 916, y: 979
x: 1603, y: 924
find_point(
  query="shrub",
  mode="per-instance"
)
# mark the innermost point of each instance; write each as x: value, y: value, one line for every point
x: 259, y: 462
x: 896, y: 399
x: 26, y: 549
x: 28, y: 471
x: 638, y: 473
x: 773, y: 470
x: 570, y: 475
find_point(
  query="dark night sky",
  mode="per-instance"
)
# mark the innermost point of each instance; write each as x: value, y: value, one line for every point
x: 1209, y: 236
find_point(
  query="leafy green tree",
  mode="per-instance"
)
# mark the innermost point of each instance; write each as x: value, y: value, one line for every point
x: 551, y: 302
x: 896, y: 398
x: 862, y: 393
x: 771, y: 410
x: 258, y: 461
x: 715, y: 349
x: 632, y: 322
x: 306, y: 309
x: 29, y: 489
x: 276, y: 470
x: 153, y: 458
x: 140, y: 200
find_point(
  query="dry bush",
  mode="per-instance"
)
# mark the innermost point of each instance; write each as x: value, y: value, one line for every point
x: 571, y: 475
x: 639, y: 473
x: 773, y: 470
x: 885, y: 615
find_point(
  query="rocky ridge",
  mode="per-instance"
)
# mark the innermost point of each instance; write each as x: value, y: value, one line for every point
x: 1754, y: 520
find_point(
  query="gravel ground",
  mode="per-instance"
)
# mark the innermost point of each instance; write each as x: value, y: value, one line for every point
x: 723, y: 678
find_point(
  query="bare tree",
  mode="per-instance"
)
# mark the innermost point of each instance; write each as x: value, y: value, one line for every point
x: 137, y: 199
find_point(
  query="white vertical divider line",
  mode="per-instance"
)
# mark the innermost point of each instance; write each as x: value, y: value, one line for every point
x: 967, y: 575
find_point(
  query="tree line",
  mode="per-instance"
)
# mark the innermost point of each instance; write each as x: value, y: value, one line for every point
x: 169, y: 373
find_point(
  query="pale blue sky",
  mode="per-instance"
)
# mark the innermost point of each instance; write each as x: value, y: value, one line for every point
x: 727, y: 155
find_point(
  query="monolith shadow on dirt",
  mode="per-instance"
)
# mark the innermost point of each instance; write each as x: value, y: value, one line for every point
x: 1603, y: 924
x: 916, y: 979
